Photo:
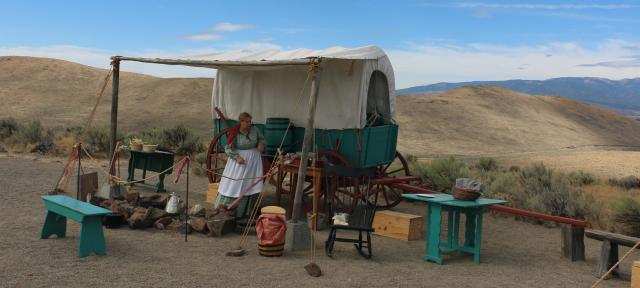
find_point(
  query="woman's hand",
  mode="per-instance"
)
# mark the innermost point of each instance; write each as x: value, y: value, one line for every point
x: 261, y: 147
x: 240, y: 160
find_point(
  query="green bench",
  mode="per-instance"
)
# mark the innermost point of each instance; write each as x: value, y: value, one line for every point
x: 60, y: 207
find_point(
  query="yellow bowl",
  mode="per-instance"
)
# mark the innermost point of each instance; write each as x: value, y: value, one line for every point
x: 149, y: 148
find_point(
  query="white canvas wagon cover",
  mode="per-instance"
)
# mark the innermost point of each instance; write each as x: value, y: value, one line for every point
x: 356, y: 85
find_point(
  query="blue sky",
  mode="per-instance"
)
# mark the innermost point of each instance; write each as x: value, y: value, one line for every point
x: 427, y: 41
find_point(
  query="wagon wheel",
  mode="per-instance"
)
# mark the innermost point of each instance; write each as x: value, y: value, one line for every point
x: 388, y: 196
x: 342, y: 199
x: 217, y: 159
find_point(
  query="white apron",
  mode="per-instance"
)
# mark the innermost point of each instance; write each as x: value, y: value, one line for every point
x: 252, y: 168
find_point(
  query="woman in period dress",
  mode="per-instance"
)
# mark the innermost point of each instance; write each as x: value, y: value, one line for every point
x: 241, y: 176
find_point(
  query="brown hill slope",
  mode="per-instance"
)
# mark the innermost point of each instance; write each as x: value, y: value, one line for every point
x: 464, y: 121
x: 62, y: 93
x: 493, y: 120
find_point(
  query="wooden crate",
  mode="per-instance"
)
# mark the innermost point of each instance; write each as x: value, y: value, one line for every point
x: 398, y: 225
x: 635, y: 275
x: 212, y: 193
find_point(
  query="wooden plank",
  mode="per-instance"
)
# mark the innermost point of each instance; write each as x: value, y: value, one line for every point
x: 573, y: 242
x: 635, y: 275
x: 88, y: 185
x: 612, y: 237
x: 398, y: 225
x: 608, y: 257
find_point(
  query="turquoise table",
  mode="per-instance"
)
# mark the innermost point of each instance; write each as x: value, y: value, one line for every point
x: 473, y: 211
x: 60, y: 207
x: 157, y: 161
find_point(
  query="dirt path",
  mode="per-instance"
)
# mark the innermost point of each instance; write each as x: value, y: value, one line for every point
x: 514, y: 254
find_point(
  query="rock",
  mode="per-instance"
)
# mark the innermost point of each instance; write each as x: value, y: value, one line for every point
x: 210, y: 213
x: 163, y: 222
x: 132, y: 198
x: 197, y: 211
x: 220, y: 224
x: 199, y: 224
x: 156, y: 214
x: 106, y: 204
x: 180, y: 227
x: 140, y: 219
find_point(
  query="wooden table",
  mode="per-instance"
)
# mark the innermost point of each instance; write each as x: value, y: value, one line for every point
x: 292, y: 169
x: 473, y: 210
x: 157, y: 161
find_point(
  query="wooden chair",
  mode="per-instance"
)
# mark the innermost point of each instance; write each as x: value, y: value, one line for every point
x: 361, y: 218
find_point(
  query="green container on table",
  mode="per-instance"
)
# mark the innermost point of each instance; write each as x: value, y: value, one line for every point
x: 275, y: 133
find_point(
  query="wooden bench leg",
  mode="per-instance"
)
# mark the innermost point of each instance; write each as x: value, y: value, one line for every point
x: 91, y: 237
x: 608, y: 257
x: 54, y: 224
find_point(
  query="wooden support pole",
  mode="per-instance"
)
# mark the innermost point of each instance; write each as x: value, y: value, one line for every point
x: 114, y: 104
x: 573, y: 242
x: 306, y: 144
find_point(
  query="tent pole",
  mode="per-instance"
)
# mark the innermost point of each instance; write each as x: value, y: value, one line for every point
x: 115, y: 61
x: 306, y: 144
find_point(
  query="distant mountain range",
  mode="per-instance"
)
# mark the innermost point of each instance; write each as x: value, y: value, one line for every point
x: 616, y: 94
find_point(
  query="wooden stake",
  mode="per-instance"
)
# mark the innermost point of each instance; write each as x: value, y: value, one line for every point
x: 306, y: 144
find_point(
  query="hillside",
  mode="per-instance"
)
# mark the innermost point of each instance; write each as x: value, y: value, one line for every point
x: 622, y: 95
x: 494, y: 120
x: 463, y: 121
x: 62, y: 93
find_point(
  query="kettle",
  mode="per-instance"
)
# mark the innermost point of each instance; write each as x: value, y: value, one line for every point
x: 173, y: 204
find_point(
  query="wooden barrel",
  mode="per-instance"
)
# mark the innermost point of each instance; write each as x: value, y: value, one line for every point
x: 271, y: 250
x: 276, y: 133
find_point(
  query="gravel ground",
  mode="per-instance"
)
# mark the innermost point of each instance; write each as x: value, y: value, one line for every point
x: 514, y: 253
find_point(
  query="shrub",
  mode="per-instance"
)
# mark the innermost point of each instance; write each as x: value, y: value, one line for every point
x: 98, y: 139
x: 626, y: 216
x: 487, y: 164
x: 178, y: 139
x: 580, y: 178
x: 502, y: 186
x: 514, y: 168
x: 411, y: 158
x: 30, y: 132
x: 8, y: 127
x: 201, y: 158
x: 628, y: 182
x: 444, y: 172
x: 547, y: 192
x: 182, y: 140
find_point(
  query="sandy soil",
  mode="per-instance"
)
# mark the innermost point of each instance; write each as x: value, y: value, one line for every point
x: 514, y: 254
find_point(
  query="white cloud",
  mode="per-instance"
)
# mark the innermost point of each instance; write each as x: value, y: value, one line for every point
x: 542, y: 6
x: 217, y: 29
x: 416, y: 64
x: 204, y: 37
x: 433, y: 63
x: 230, y: 27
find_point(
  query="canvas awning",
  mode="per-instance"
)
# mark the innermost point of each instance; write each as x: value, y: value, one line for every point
x: 356, y: 84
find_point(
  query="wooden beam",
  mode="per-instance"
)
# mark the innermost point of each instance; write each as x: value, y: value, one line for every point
x: 615, y: 238
x: 216, y: 63
x: 306, y: 144
x: 114, y: 104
